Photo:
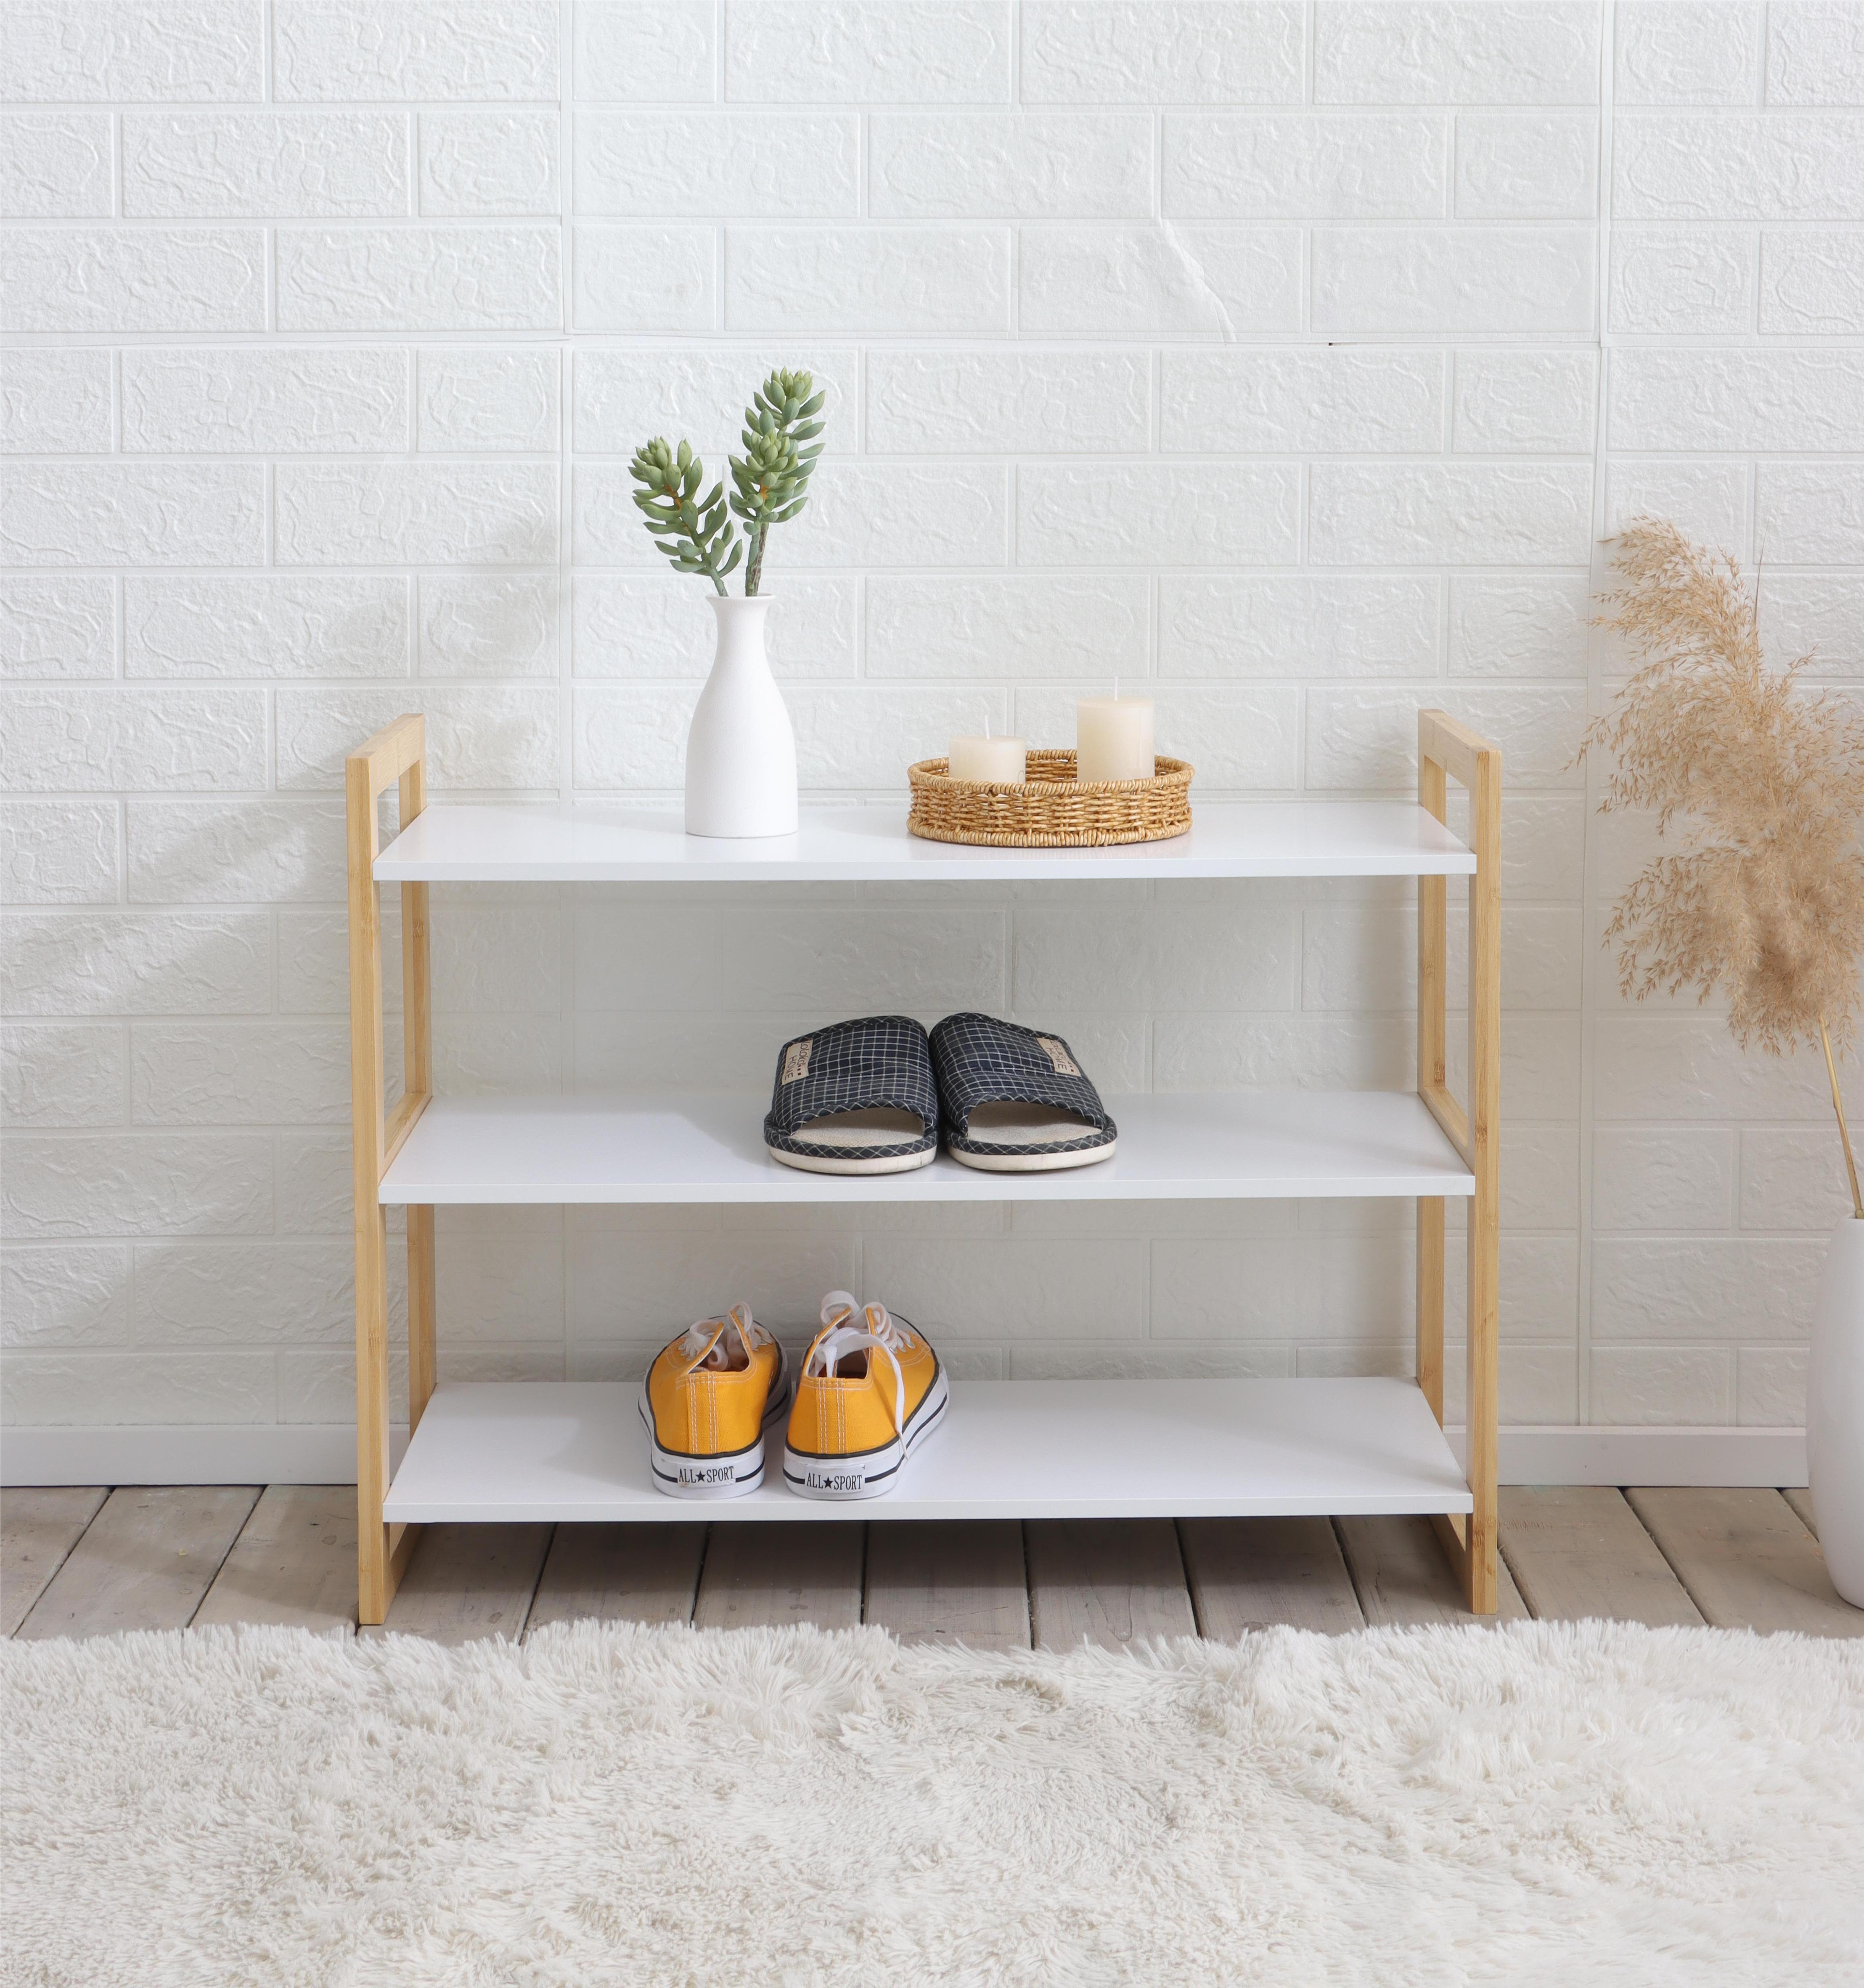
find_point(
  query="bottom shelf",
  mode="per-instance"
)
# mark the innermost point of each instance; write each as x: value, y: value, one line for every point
x: 504, y: 1450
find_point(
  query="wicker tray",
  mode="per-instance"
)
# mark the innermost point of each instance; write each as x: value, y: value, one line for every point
x: 1050, y: 810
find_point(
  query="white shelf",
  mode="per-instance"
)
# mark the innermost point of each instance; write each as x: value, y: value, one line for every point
x: 506, y: 1451
x: 556, y: 845
x: 1237, y: 1145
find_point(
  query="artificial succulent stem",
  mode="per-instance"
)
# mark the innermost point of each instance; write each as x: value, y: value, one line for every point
x: 1844, y: 1130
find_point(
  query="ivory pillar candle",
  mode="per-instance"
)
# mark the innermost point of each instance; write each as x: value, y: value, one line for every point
x: 1113, y: 739
x: 995, y: 759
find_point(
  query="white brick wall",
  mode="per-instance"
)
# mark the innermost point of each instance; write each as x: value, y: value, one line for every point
x: 1285, y: 359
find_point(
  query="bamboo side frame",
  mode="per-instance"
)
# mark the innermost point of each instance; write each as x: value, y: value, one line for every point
x: 1447, y: 750
x: 396, y: 755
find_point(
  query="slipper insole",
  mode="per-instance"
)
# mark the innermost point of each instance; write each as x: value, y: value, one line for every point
x: 880, y: 1125
x: 1031, y: 1125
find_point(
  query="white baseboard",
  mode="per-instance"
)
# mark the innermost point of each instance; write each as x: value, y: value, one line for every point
x: 1751, y: 1457
x: 326, y: 1454
x: 284, y: 1453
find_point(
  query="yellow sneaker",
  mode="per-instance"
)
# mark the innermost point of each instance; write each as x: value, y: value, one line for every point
x: 707, y: 1400
x: 871, y: 1391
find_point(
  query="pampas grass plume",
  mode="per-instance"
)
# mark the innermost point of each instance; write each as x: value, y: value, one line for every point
x: 1760, y: 782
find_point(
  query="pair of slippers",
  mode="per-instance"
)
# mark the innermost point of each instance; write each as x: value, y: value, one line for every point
x: 875, y: 1095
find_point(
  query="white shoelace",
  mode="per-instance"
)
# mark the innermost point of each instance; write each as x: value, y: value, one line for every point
x: 702, y: 1337
x: 879, y: 1330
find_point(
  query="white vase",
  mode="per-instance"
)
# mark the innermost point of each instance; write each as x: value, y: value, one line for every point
x: 740, y: 750
x: 1835, y: 1410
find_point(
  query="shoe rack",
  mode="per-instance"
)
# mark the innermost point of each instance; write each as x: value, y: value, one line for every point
x: 500, y: 1451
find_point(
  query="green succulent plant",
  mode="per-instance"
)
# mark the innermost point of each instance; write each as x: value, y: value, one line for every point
x: 771, y: 478
x: 692, y: 531
x: 770, y: 484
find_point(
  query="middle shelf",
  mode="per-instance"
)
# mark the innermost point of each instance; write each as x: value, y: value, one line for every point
x: 704, y: 1147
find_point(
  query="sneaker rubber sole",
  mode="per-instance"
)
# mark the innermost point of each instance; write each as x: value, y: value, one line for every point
x: 874, y: 1472
x: 733, y: 1475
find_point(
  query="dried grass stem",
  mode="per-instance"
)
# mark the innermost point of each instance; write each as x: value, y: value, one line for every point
x: 1844, y: 1130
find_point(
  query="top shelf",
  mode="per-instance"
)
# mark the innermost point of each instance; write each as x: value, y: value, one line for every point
x: 593, y: 845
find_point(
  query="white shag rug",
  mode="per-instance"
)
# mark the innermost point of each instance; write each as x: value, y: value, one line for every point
x: 608, y: 1804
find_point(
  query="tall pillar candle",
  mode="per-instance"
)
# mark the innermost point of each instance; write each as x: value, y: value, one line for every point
x: 1113, y: 739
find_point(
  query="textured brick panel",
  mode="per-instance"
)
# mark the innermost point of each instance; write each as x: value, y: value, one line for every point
x: 1164, y: 279
x: 1812, y: 280
x: 1146, y: 51
x: 329, y: 627
x: 1688, y: 279
x: 1116, y: 514
x: 993, y: 628
x: 938, y: 403
x: 868, y: 51
x: 425, y: 514
x: 655, y: 280
x: 208, y: 166
x: 137, y: 51
x: 1456, y: 51
x: 1541, y: 403
x: 161, y: 514
x: 222, y: 402
x: 478, y: 162
x: 456, y: 279
x: 471, y: 399
x: 1806, y: 167
x: 1815, y: 55
x: 1341, y: 167
x: 657, y: 164
x: 58, y: 852
x: 622, y: 397
x: 1034, y: 166
x: 1465, y: 280
x: 55, y: 166
x: 1384, y: 626
x: 1675, y: 51
x: 656, y: 55
x: 74, y: 1295
x: 877, y: 279
x: 401, y: 49
x: 134, y: 279
x: 54, y: 402
x: 1320, y: 401
x: 57, y: 628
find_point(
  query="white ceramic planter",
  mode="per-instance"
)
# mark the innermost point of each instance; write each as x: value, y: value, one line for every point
x: 740, y: 750
x: 1835, y: 1410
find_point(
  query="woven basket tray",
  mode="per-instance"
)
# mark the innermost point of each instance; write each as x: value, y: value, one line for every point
x: 1050, y: 810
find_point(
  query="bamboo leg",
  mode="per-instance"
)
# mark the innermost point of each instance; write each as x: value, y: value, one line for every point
x: 418, y: 1075
x: 1430, y: 1301
x: 1483, y: 1412
x: 366, y: 1091
x: 1433, y: 1072
x: 397, y: 753
x: 420, y: 1313
x: 1433, y: 945
x: 1444, y: 749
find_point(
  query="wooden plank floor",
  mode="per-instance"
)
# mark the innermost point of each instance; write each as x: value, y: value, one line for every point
x: 91, y: 1561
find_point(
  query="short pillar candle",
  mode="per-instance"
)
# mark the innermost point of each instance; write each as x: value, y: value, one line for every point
x: 1113, y: 739
x: 998, y: 761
